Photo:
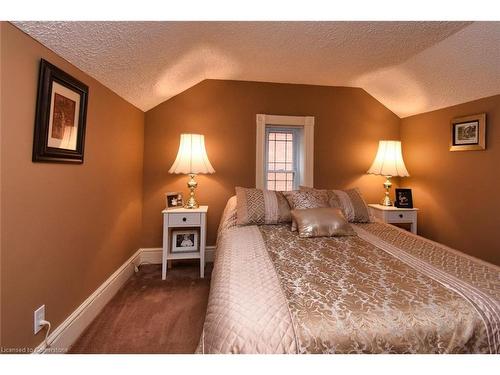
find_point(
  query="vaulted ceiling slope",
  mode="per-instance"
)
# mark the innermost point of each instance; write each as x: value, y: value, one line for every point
x: 410, y: 67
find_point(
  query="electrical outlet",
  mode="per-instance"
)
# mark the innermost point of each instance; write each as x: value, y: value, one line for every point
x: 38, y: 316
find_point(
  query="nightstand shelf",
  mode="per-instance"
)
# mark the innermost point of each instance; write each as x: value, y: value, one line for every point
x: 179, y: 218
x: 190, y: 255
x: 395, y: 215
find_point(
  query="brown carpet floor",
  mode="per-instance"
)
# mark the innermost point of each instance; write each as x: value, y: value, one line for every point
x: 149, y: 315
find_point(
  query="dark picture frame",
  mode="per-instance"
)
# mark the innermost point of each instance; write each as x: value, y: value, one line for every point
x: 468, y: 133
x: 61, y: 114
x: 404, y: 198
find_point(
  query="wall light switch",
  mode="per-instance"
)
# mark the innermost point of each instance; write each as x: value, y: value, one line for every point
x: 38, y: 316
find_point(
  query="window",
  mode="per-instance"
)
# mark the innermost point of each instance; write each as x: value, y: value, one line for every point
x: 282, y: 167
x: 285, y: 152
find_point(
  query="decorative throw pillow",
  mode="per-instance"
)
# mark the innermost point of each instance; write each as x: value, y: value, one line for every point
x: 310, y: 198
x: 306, y: 199
x: 322, y: 222
x: 350, y: 201
x: 353, y: 205
x: 256, y: 206
x: 229, y: 217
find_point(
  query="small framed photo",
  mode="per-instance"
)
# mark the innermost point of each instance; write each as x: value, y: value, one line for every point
x: 61, y: 113
x: 403, y: 198
x: 468, y: 133
x: 174, y: 200
x: 184, y: 241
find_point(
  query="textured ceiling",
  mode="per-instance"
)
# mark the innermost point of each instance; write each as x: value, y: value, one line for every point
x: 411, y: 67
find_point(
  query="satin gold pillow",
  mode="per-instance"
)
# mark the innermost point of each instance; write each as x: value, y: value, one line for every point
x: 321, y: 222
x: 306, y: 199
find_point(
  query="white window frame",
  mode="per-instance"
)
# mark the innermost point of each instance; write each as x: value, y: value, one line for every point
x: 297, y: 139
x: 306, y: 146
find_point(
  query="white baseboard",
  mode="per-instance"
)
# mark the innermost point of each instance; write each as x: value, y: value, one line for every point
x: 61, y: 339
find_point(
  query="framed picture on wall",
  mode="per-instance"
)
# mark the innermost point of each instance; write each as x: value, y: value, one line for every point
x: 404, y: 198
x: 468, y: 133
x: 61, y: 112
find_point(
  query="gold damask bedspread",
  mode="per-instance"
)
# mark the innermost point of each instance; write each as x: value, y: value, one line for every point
x: 381, y: 291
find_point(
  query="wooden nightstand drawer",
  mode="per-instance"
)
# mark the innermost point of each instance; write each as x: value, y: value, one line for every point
x: 184, y: 219
x: 401, y: 216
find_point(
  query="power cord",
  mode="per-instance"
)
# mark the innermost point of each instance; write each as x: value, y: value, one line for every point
x: 136, y: 267
x: 47, y: 324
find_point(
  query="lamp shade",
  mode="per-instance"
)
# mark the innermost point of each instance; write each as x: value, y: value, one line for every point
x: 192, y: 156
x: 389, y: 160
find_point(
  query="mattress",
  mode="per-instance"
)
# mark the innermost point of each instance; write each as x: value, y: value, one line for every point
x: 383, y: 290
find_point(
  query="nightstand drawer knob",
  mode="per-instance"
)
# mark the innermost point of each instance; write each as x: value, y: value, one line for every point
x: 184, y: 219
x: 401, y: 216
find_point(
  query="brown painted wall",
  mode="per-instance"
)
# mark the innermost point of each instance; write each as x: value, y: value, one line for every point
x: 65, y: 228
x: 457, y: 192
x: 349, y: 123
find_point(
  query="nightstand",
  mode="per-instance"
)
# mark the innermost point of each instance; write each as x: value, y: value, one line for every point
x: 184, y: 218
x: 395, y: 215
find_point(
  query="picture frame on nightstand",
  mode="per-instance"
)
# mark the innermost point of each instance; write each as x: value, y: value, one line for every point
x: 404, y: 198
x: 173, y: 200
x: 184, y: 241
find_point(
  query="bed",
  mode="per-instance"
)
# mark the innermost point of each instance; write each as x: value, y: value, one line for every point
x: 383, y: 290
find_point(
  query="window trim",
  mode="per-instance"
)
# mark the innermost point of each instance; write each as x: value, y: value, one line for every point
x: 306, y: 177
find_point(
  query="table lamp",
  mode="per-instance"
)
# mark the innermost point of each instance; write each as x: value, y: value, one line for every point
x: 191, y: 159
x: 389, y: 163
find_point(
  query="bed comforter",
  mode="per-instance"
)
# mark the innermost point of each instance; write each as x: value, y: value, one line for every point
x: 384, y: 290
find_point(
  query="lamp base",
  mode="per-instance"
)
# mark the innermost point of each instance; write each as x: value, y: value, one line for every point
x: 386, y: 202
x: 191, y: 202
x: 387, y: 185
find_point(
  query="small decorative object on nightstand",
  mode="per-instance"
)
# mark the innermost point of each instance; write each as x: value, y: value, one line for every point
x: 182, y: 218
x: 404, y: 198
x: 173, y: 200
x: 394, y: 215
